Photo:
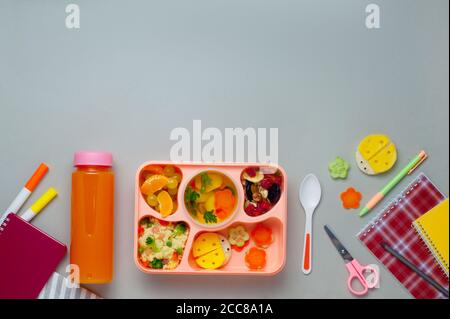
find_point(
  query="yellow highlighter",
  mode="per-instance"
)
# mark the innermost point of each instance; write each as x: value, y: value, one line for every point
x: 46, y: 198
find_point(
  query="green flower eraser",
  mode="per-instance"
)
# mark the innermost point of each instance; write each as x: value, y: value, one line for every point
x: 339, y: 168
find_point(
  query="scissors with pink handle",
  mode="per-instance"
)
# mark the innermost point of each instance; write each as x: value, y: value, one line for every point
x: 367, y: 276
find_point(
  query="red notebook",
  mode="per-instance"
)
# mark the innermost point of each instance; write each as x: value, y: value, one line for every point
x: 28, y: 257
x: 394, y: 226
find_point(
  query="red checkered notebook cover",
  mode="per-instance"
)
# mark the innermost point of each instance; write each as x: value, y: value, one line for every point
x: 394, y: 226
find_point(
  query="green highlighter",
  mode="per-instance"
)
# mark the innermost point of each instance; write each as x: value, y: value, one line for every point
x: 415, y: 162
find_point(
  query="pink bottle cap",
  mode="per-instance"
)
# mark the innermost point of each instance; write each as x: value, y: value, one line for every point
x: 92, y: 158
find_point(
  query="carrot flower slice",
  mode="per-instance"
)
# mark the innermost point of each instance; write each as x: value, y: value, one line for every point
x: 351, y: 198
x: 262, y: 236
x: 255, y: 258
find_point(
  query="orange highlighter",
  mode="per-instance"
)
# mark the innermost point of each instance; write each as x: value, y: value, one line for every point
x: 27, y: 189
x: 92, y: 220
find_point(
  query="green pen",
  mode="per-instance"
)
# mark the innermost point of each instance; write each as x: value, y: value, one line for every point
x: 415, y: 162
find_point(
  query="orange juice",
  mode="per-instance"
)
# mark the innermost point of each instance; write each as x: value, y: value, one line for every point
x: 92, y: 223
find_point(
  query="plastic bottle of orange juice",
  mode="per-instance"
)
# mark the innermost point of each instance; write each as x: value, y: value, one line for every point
x: 92, y: 224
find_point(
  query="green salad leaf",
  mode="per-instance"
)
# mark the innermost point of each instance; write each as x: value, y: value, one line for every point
x: 206, y: 181
x: 210, y: 217
x: 191, y: 197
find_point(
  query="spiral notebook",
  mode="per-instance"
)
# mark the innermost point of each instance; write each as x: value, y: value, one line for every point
x: 28, y: 257
x: 393, y: 225
x: 433, y: 228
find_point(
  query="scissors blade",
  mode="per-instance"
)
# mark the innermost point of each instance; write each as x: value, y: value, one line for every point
x: 340, y: 248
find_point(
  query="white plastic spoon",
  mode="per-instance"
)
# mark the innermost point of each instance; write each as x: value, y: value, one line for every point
x: 310, y: 193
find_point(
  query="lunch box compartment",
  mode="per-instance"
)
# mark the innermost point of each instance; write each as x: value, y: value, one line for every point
x: 274, y: 253
x: 185, y: 251
x: 150, y: 170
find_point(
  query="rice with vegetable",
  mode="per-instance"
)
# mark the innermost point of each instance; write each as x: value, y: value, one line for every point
x: 161, y: 244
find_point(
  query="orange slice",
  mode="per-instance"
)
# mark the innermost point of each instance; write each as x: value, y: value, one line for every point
x: 153, y: 184
x: 165, y: 203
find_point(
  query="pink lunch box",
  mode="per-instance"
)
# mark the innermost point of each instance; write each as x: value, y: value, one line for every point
x: 275, y: 219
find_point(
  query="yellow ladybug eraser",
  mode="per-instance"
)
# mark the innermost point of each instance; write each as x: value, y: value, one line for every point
x: 211, y: 250
x: 376, y: 154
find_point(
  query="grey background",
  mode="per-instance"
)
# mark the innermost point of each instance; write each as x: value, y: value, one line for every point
x: 137, y: 69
